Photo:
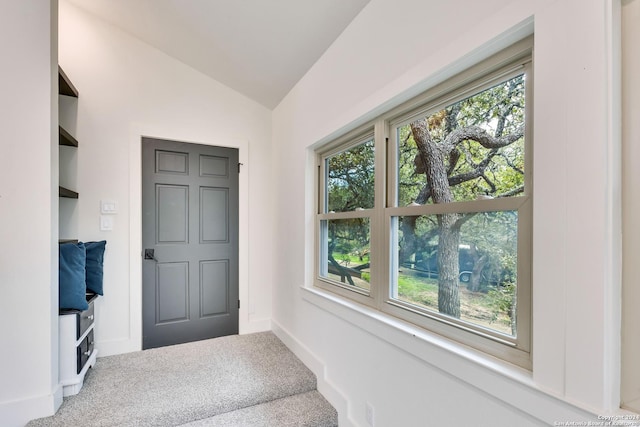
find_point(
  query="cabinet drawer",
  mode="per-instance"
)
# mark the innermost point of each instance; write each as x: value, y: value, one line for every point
x: 84, y: 319
x: 85, y: 349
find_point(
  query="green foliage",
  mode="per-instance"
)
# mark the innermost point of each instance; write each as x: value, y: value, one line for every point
x: 350, y: 179
x: 499, y: 111
x: 495, y: 236
x: 348, y: 243
x: 349, y: 237
x: 472, y: 170
x: 500, y: 300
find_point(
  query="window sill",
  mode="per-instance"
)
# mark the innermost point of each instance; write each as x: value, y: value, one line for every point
x: 502, y: 380
x: 409, y: 337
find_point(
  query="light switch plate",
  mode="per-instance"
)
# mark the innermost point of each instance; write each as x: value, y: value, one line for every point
x: 108, y: 207
x: 106, y: 223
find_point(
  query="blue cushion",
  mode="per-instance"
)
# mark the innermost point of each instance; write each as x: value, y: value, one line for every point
x: 94, y: 267
x: 71, y: 276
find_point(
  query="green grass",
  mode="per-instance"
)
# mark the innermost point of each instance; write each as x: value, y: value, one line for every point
x: 350, y: 260
x: 476, y: 307
x: 417, y: 289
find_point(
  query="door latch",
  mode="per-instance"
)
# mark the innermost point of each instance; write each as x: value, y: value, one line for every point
x: 150, y: 254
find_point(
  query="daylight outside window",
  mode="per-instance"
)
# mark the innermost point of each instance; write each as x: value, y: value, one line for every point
x: 473, y: 281
x: 349, y: 178
x: 462, y: 265
x: 425, y: 213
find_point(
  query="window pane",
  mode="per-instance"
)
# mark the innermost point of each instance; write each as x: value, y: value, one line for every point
x: 345, y: 252
x: 468, y: 150
x: 349, y: 180
x: 460, y: 265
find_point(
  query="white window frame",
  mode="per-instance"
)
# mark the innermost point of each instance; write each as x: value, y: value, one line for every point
x: 515, y: 60
x: 350, y: 140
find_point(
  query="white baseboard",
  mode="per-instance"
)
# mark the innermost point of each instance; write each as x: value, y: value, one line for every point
x: 17, y: 413
x: 255, y: 325
x: 109, y: 348
x: 128, y: 345
x: 325, y: 386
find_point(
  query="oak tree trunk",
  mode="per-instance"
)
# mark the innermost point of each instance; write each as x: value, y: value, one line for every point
x: 476, y: 273
x: 433, y: 157
x: 448, y: 265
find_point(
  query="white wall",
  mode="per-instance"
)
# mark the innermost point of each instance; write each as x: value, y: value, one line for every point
x: 631, y: 201
x: 393, y: 50
x: 128, y: 89
x: 28, y: 212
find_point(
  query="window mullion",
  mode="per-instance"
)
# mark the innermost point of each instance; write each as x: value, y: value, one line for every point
x: 321, y: 185
x: 379, y: 254
x: 525, y: 227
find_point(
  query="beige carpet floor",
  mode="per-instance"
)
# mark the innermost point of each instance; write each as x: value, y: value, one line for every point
x: 240, y: 380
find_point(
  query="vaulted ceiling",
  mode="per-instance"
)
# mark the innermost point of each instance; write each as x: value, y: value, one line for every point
x: 260, y: 48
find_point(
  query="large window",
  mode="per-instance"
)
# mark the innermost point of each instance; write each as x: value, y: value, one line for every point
x: 425, y: 213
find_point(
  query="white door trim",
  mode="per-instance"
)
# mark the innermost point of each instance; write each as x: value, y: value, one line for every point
x: 137, y: 131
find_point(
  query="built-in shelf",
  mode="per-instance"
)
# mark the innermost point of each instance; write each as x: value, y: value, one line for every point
x: 76, y: 348
x: 65, y: 138
x: 65, y: 87
x: 62, y: 241
x: 65, y: 192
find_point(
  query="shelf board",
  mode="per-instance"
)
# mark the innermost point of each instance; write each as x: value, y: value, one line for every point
x: 89, y: 296
x: 62, y: 241
x: 65, y: 138
x: 65, y: 87
x: 65, y: 192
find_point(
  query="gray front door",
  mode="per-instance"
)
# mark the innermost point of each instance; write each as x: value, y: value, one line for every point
x: 190, y: 242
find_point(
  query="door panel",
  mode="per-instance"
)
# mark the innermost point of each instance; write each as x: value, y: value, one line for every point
x: 172, y: 292
x: 214, y: 288
x: 172, y: 162
x: 214, y: 166
x: 190, y: 221
x: 172, y: 210
x: 214, y: 213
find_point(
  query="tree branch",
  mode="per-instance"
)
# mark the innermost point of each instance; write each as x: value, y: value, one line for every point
x: 513, y: 192
x: 476, y: 133
x: 478, y: 170
x: 511, y: 165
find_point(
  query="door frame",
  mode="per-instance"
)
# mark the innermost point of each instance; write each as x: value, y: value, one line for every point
x: 137, y: 132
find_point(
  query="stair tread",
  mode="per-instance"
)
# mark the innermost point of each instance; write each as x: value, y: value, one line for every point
x: 179, y: 384
x: 308, y: 409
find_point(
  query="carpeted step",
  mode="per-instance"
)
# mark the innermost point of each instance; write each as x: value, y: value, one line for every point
x: 308, y: 409
x: 182, y: 383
